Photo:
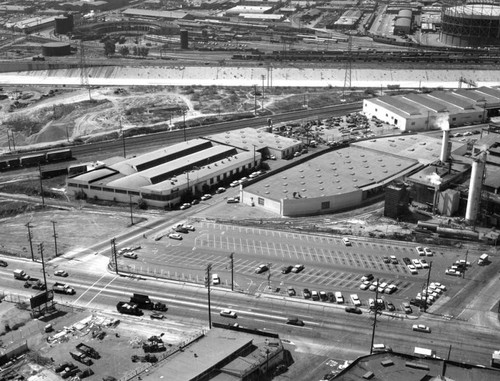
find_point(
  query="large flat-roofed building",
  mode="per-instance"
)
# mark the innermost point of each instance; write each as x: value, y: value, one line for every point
x: 224, y: 354
x: 334, y: 181
x: 266, y: 143
x: 246, y: 9
x: 421, y: 112
x: 164, y: 177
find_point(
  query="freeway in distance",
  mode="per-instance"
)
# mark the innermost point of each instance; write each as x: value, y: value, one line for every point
x: 340, y: 335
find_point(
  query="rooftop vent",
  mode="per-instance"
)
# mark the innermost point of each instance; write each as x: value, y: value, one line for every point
x: 304, y: 190
x: 285, y: 184
x: 267, y: 185
x: 285, y: 191
x: 266, y: 192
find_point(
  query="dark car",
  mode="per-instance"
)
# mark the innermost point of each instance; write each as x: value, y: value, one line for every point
x: 261, y: 269
x: 306, y: 293
x: 353, y: 310
x: 63, y: 366
x: 295, y: 321
x: 286, y: 269
x: 195, y: 202
x: 181, y: 229
x: 391, y: 306
x: 386, y: 260
x: 331, y: 297
x: 407, y: 261
x: 3, y: 263
x: 84, y: 373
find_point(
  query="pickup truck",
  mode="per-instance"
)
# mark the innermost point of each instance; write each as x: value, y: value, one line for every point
x: 89, y: 351
x: 63, y: 288
x: 79, y: 356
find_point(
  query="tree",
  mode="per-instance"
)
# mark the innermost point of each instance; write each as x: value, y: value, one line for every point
x: 124, y: 51
x: 109, y: 47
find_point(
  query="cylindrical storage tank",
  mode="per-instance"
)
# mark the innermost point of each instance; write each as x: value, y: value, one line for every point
x: 56, y: 49
x: 184, y: 39
x: 476, y: 183
x: 471, y: 25
x: 62, y: 25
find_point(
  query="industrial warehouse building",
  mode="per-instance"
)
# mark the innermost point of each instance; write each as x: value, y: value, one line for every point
x: 422, y: 112
x: 168, y: 176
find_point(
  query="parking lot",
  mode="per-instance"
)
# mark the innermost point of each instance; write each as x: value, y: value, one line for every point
x: 329, y: 264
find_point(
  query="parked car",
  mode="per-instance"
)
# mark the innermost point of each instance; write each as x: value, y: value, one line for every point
x: 424, y: 264
x: 3, y: 263
x: 407, y: 308
x: 297, y: 268
x: 413, y: 269
x: 220, y: 190
x: 291, y: 291
x: 306, y: 293
x: 234, y: 184
x: 390, y: 306
x: 407, y: 261
x: 195, y: 202
x: 261, y: 269
x: 364, y: 285
x: 386, y: 259
x: 232, y: 200
x: 331, y: 297
x: 206, y: 197
x: 130, y: 254
x: 176, y: 236
x: 368, y: 277
x: 428, y: 252
x: 215, y: 279
x: 346, y: 241
x: 295, y: 321
x: 157, y: 316
x: 314, y: 295
x: 394, y: 260
x: 184, y: 206
x: 229, y: 314
x: 61, y: 273
x: 421, y: 328
x: 416, y: 263
x: 286, y: 269
x: 323, y: 296
x: 420, y: 250
x: 355, y: 300
x: 181, y: 229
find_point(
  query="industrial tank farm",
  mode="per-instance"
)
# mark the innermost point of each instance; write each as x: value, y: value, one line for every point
x: 471, y: 25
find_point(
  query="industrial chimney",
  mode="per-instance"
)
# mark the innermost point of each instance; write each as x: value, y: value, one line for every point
x: 445, y: 149
x: 476, y: 183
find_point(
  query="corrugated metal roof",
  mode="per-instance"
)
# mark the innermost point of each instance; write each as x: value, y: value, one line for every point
x: 455, y: 100
x: 246, y: 138
x: 426, y: 101
x: 398, y: 106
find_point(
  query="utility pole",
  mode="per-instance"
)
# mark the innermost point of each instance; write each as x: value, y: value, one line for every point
x: 41, y: 185
x: 31, y: 242
x: 263, y: 78
x: 427, y: 287
x: 465, y: 265
x: 40, y: 250
x: 123, y: 139
x: 209, y: 267
x: 8, y: 140
x: 113, y: 253
x: 131, y: 215
x: 269, y: 276
x: 375, y: 307
x: 254, y: 100
x: 55, y: 236
x: 184, y: 122
x: 231, y: 256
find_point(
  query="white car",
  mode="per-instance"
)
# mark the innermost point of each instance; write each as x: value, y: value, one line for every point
x: 428, y: 252
x: 60, y: 273
x: 189, y: 227
x: 424, y: 264
x: 206, y: 197
x: 373, y: 286
x: 421, y: 328
x: 416, y: 263
x: 355, y: 300
x: 346, y: 241
x: 382, y: 286
x: 176, y: 236
x: 130, y: 254
x: 184, y: 206
x: 364, y: 285
x: 229, y: 314
x: 420, y: 251
x: 413, y: 269
x: 234, y: 184
x: 215, y: 279
x: 243, y: 180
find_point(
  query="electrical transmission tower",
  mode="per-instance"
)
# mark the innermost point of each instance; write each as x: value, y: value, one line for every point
x: 84, y: 74
x: 469, y: 82
x: 348, y: 67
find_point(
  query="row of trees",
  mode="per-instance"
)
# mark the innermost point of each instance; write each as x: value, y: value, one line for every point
x: 110, y: 49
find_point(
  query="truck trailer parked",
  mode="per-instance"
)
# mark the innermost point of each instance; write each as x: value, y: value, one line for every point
x: 89, y: 351
x: 144, y: 302
x: 21, y: 275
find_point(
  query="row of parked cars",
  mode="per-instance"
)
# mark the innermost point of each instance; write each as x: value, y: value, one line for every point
x: 457, y: 268
x: 368, y: 283
x: 181, y: 228
x: 428, y: 295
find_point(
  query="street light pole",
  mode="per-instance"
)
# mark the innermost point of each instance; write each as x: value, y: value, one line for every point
x: 113, y: 253
x: 231, y: 256
x: 375, y: 308
x: 40, y: 249
x: 41, y: 185
x: 427, y: 287
x: 131, y: 215
x: 209, y: 267
x: 255, y: 99
x: 184, y: 122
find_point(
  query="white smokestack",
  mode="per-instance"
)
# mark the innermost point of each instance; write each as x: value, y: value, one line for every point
x: 476, y: 183
x: 445, y: 154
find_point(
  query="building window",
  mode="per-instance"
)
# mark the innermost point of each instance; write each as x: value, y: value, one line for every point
x: 120, y: 191
x: 73, y: 185
x: 230, y: 173
x: 95, y: 188
x: 133, y: 193
x: 84, y: 186
x: 108, y: 189
x: 212, y: 180
x: 260, y: 200
x: 325, y: 205
x: 218, y: 178
x: 453, y: 119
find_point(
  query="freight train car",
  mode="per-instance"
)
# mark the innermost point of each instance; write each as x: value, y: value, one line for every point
x: 60, y: 155
x: 32, y: 160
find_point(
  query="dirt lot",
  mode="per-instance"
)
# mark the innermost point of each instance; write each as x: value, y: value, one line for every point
x: 112, y: 338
